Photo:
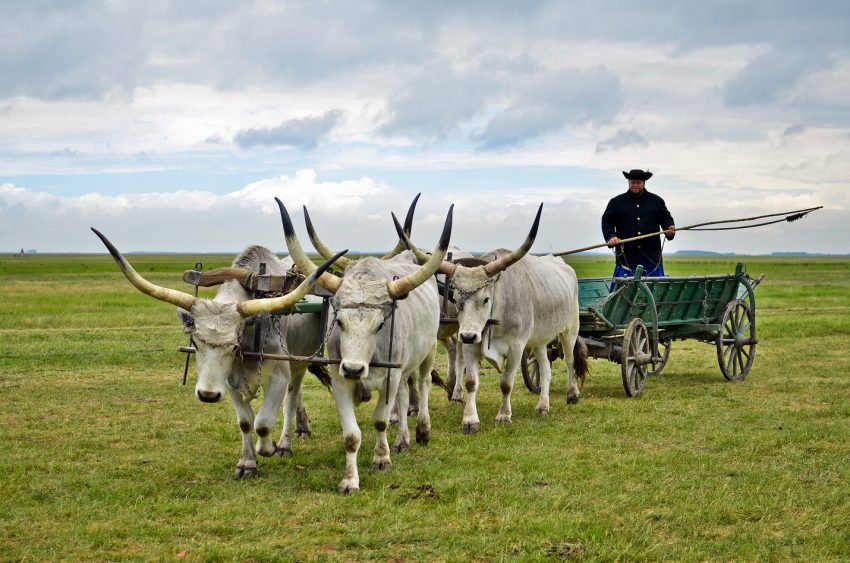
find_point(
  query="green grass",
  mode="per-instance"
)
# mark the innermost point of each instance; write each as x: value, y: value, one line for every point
x: 106, y: 456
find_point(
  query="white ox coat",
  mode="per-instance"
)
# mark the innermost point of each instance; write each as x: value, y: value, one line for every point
x: 216, y: 328
x: 362, y: 334
x: 535, y: 300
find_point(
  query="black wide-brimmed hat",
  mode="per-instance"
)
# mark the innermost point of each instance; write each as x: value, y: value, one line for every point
x: 637, y: 174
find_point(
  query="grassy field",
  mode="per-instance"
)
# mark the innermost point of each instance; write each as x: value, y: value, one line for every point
x: 106, y: 456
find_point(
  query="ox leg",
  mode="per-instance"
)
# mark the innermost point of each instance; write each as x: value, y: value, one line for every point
x: 471, y: 358
x: 568, y: 341
x: 506, y: 384
x: 394, y: 418
x: 423, y: 419
x: 343, y: 393
x: 291, y: 404
x: 275, y: 390
x: 545, y: 368
x: 302, y: 420
x: 402, y: 437
x: 247, y: 466
x: 413, y: 405
x: 381, y: 419
x: 454, y: 385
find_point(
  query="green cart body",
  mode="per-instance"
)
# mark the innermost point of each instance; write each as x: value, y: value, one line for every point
x: 633, y: 321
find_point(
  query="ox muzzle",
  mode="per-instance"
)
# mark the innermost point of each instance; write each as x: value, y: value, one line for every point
x: 353, y: 370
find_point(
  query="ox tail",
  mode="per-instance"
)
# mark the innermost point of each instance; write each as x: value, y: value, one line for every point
x: 321, y: 373
x: 580, y: 364
x: 437, y: 380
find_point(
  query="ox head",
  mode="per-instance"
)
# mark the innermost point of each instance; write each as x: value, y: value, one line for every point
x: 343, y: 262
x: 474, y: 282
x: 363, y: 299
x: 216, y: 326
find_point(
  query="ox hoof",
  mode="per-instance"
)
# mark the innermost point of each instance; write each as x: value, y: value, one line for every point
x: 347, y: 488
x: 266, y: 449
x: 543, y: 411
x: 303, y: 432
x: 471, y: 427
x: 423, y: 435
x: 381, y: 465
x: 457, y: 399
x: 572, y: 400
x: 394, y: 418
x: 402, y: 446
x: 243, y: 472
x: 280, y: 451
x: 502, y: 419
x: 412, y: 411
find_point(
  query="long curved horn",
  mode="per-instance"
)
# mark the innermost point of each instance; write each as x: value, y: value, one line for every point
x: 307, y: 267
x: 496, y: 266
x: 253, y: 307
x: 321, y: 247
x: 172, y: 296
x: 401, y: 287
x: 445, y: 268
x: 326, y: 252
x: 408, y: 226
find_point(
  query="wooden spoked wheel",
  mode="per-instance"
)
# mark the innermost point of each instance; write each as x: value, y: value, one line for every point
x: 736, y: 341
x: 530, y: 372
x: 664, y: 352
x: 635, y: 357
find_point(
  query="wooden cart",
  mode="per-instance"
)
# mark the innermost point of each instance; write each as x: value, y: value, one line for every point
x: 633, y: 321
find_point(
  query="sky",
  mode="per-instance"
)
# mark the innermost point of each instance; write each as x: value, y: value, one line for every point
x: 171, y: 125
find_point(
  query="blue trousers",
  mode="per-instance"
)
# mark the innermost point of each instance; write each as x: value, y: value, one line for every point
x: 623, y: 272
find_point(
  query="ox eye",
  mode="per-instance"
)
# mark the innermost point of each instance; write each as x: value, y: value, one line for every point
x: 339, y: 323
x: 486, y: 300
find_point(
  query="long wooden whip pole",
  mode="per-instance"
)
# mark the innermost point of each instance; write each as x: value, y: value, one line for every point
x: 792, y: 216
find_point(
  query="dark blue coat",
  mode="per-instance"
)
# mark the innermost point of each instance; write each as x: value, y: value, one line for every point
x: 629, y: 216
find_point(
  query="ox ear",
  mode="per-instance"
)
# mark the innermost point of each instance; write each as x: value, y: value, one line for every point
x: 187, y: 320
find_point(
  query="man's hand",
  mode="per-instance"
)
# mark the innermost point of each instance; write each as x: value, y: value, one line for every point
x: 670, y: 232
x: 613, y: 241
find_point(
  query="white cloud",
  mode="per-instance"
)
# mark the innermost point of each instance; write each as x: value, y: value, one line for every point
x: 753, y: 98
x: 355, y: 214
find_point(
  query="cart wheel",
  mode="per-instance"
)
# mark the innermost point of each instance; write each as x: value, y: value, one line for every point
x: 530, y: 372
x: 635, y: 357
x: 736, y: 341
x: 663, y: 349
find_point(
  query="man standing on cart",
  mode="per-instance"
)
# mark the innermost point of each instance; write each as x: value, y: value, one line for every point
x: 634, y: 213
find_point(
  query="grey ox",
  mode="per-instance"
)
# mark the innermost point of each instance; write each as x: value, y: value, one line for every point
x: 220, y: 326
x: 362, y: 304
x: 447, y: 334
x: 535, y: 300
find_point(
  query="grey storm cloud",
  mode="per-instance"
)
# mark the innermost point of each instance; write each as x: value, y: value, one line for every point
x: 96, y: 48
x: 302, y: 133
x: 550, y: 101
x: 436, y: 102
x: 771, y: 74
x: 623, y: 138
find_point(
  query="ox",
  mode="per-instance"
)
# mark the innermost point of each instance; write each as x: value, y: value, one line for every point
x: 535, y: 298
x: 363, y: 304
x: 447, y: 333
x: 220, y: 326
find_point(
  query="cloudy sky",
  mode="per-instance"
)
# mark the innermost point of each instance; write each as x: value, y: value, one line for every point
x: 172, y: 125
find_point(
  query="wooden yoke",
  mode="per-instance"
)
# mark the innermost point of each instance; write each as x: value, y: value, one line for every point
x: 252, y: 281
